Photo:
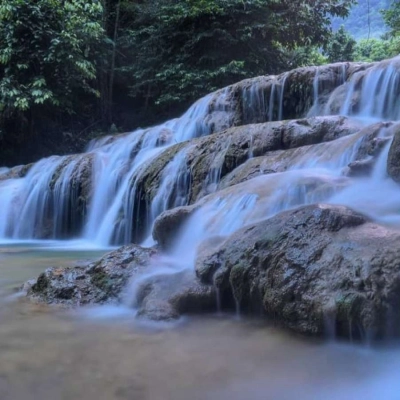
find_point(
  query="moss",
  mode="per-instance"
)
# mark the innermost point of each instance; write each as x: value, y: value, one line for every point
x: 238, y: 281
x: 349, y: 306
x: 25, y: 169
x: 41, y: 284
x: 102, y: 281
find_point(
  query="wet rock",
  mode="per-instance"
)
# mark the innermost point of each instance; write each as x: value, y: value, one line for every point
x: 304, y: 266
x: 16, y: 172
x: 168, y: 296
x: 169, y: 223
x: 211, y: 158
x: 291, y: 94
x: 99, y: 282
x: 375, y: 137
x: 393, y: 162
x: 157, y: 296
x: 360, y: 168
x: 309, y: 269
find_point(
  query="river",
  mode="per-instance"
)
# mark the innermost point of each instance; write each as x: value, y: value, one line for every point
x: 104, y: 353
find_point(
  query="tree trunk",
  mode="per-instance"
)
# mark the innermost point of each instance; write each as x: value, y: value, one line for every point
x: 112, y: 69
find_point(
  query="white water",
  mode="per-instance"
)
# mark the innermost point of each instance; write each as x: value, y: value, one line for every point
x: 33, y: 209
x: 49, y: 204
x: 371, y: 95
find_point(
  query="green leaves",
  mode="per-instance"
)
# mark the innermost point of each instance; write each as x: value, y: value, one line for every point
x: 176, y: 51
x: 46, y: 51
x: 341, y: 47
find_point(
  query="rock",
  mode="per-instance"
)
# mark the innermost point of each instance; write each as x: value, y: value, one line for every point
x: 360, y: 168
x: 166, y: 297
x: 293, y: 90
x: 99, y: 282
x: 393, y: 162
x: 305, y: 266
x: 310, y: 269
x: 16, y: 172
x: 169, y: 223
x: 158, y: 296
x: 212, y: 157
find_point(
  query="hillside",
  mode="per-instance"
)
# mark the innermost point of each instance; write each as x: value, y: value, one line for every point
x: 357, y: 22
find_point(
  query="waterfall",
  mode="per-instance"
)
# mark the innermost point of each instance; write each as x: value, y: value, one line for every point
x: 103, y: 196
x: 42, y: 204
x: 281, y: 97
x: 172, y: 192
x: 370, y: 95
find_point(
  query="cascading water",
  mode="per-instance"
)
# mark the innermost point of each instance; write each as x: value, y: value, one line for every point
x: 41, y: 204
x: 173, y: 190
x: 99, y: 196
x: 371, y: 95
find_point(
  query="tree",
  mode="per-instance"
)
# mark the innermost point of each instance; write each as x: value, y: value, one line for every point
x: 392, y: 19
x: 47, y: 57
x: 341, y: 47
x: 373, y: 50
x: 178, y: 51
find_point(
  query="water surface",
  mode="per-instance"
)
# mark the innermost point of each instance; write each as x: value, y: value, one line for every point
x: 103, y: 353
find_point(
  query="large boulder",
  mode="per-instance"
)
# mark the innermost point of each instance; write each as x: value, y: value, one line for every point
x: 313, y: 269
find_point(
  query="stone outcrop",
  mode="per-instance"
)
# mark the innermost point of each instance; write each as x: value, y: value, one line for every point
x: 311, y: 269
x: 212, y: 157
x: 315, y: 269
x: 393, y: 163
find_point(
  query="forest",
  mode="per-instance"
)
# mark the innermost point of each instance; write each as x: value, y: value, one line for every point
x: 71, y: 70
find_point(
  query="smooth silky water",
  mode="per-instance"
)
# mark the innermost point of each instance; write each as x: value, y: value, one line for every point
x: 51, y: 353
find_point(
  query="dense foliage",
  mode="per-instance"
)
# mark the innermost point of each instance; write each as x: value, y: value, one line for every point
x: 47, y: 61
x: 184, y: 49
x: 392, y: 19
x: 68, y: 67
x: 341, y: 47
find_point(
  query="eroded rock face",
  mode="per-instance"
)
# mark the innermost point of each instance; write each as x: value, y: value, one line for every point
x: 213, y: 157
x: 311, y: 265
x: 393, y: 162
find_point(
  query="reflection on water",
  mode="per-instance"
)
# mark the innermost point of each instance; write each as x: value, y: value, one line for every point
x: 49, y: 353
